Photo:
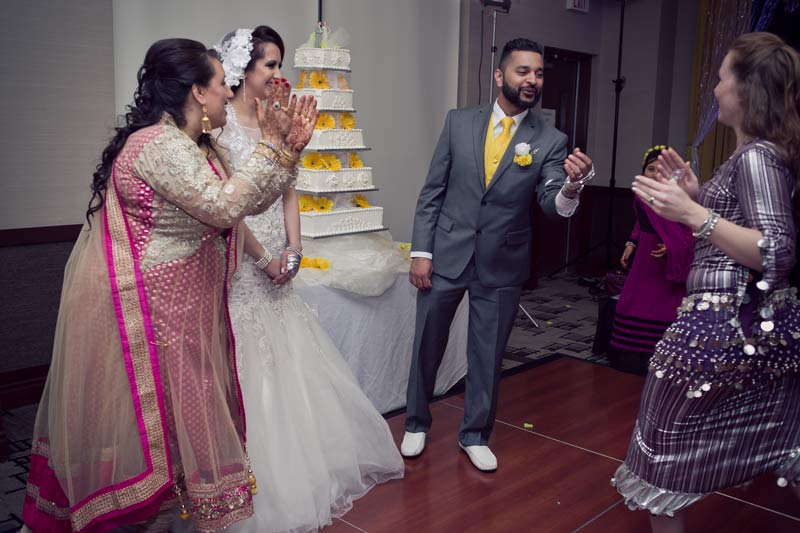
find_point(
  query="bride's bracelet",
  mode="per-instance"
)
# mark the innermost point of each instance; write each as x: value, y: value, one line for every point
x: 295, y: 251
x: 265, y: 260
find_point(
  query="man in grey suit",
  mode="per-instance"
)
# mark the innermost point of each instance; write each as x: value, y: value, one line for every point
x: 472, y: 233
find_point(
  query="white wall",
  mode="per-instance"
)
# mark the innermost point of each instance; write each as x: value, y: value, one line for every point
x: 657, y: 60
x: 58, y: 101
x: 56, y: 107
x: 403, y: 70
x: 686, y: 22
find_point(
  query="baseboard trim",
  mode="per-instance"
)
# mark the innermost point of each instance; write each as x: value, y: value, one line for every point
x: 23, y: 386
x: 40, y: 235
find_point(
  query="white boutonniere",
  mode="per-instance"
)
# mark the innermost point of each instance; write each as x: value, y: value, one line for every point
x: 522, y: 154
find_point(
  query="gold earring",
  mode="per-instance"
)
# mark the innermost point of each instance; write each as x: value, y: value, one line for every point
x: 205, y: 122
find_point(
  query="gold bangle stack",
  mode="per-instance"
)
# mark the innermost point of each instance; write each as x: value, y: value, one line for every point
x: 269, y: 152
x: 287, y: 159
x: 269, y: 145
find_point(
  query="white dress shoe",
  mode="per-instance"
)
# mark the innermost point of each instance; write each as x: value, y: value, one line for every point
x: 481, y: 456
x: 413, y: 444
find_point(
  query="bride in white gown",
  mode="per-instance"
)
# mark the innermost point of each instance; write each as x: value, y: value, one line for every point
x: 315, y: 441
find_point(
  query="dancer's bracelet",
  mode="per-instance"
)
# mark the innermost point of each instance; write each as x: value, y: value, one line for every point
x: 707, y: 227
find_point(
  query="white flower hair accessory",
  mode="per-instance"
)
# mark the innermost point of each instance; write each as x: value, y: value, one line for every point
x: 234, y: 52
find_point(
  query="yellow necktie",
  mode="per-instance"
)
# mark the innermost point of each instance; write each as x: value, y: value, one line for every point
x: 495, y: 147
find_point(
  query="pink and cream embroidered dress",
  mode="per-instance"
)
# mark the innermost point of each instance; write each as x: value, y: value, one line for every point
x: 142, y: 403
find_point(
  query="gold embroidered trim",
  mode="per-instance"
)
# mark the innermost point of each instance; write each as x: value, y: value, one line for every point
x: 215, y: 506
x: 46, y: 506
x: 133, y: 320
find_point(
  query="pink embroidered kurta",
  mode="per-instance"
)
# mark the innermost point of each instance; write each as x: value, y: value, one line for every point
x: 142, y: 401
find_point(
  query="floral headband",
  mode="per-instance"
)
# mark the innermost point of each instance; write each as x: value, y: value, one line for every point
x: 234, y: 53
x: 656, y: 148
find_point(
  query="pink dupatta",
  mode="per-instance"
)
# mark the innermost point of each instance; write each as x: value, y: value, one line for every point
x: 105, y: 443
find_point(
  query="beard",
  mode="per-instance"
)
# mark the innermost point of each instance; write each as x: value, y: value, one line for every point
x: 515, y: 96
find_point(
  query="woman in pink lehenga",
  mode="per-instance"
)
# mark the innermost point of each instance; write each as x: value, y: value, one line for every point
x: 142, y: 411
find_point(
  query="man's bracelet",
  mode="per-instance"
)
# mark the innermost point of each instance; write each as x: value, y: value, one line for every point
x: 578, y: 185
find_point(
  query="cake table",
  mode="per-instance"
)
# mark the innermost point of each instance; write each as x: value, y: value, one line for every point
x: 366, y: 304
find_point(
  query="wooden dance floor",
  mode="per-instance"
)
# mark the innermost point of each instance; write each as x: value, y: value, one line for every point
x: 554, y: 476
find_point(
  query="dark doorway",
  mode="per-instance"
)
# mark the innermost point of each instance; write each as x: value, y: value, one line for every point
x: 565, y: 98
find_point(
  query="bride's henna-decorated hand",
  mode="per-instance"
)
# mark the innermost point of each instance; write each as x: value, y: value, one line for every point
x: 275, y: 115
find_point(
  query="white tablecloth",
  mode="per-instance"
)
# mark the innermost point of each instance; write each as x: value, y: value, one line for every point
x: 375, y: 336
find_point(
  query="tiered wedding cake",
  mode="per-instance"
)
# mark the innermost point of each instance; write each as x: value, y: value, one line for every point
x: 332, y: 176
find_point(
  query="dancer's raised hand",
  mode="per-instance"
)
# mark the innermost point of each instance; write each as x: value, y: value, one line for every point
x: 671, y: 166
x: 666, y: 198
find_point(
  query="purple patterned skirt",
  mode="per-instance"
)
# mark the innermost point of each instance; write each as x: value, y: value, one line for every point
x: 719, y: 407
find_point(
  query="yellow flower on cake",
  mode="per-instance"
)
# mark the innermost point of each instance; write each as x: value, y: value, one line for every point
x: 326, y: 121
x: 315, y: 262
x: 355, y: 161
x: 331, y: 162
x: 302, y: 81
x: 313, y: 161
x: 306, y: 203
x: 343, y: 85
x: 359, y: 200
x: 347, y: 121
x: 324, y: 204
x: 319, y: 80
x: 405, y: 250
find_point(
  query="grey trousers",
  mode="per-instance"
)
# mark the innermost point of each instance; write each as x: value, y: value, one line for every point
x: 491, y: 316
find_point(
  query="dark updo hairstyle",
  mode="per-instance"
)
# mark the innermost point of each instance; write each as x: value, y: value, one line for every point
x: 261, y: 36
x: 171, y: 67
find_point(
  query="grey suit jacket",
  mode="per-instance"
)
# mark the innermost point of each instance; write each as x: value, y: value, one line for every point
x: 457, y: 216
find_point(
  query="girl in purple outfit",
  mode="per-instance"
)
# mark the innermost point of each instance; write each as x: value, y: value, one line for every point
x: 656, y: 282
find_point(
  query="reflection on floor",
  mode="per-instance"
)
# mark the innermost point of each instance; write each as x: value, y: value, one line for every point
x: 563, y: 427
x: 565, y: 311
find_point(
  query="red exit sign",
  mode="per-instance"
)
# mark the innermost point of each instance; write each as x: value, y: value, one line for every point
x: 578, y: 5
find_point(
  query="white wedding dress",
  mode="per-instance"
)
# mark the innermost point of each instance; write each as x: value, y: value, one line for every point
x: 315, y: 441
